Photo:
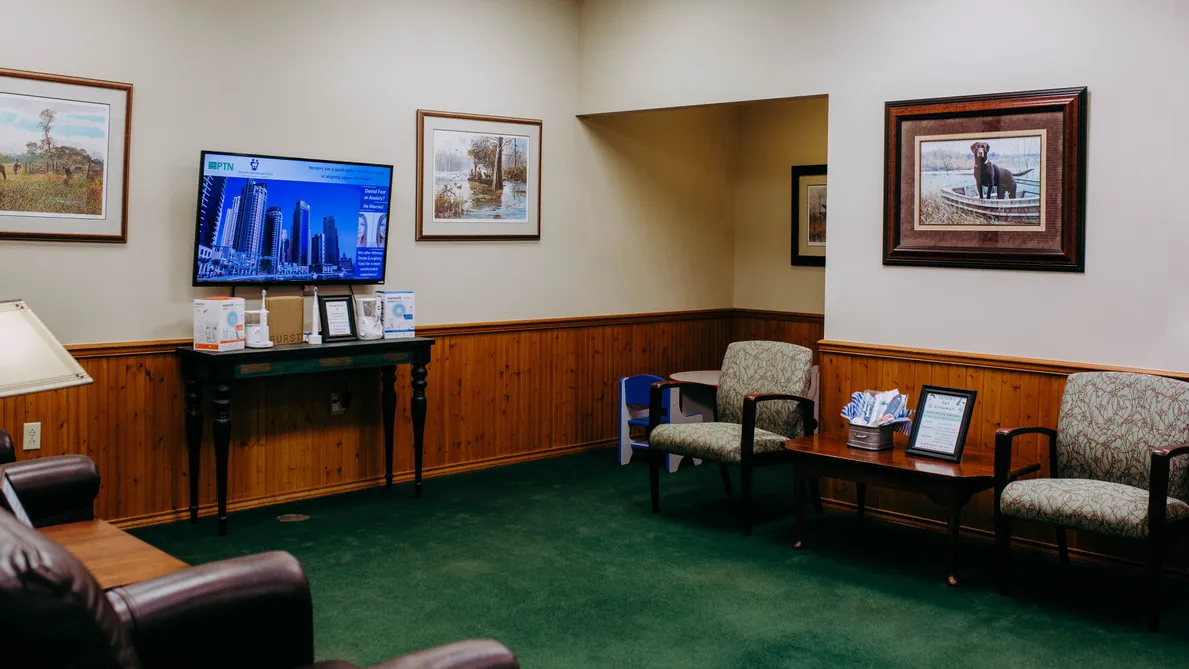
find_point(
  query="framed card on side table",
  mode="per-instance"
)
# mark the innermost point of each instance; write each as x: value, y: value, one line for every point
x: 941, y: 421
x: 338, y: 317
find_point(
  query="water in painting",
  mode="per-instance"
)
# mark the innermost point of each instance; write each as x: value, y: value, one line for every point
x: 480, y: 176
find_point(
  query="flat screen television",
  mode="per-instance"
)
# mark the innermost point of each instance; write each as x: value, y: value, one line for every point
x: 272, y: 220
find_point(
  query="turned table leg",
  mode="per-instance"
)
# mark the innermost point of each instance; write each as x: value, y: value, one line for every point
x: 418, y: 408
x: 193, y: 384
x: 221, y: 434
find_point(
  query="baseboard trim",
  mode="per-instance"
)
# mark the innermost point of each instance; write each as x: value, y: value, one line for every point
x: 1001, y: 362
x: 987, y: 536
x: 207, y: 510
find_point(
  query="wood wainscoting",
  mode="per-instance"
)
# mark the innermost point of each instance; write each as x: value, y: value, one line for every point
x: 795, y: 328
x: 498, y: 393
x: 1011, y: 392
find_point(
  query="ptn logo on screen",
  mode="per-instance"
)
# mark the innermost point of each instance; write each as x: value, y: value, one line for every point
x: 216, y: 165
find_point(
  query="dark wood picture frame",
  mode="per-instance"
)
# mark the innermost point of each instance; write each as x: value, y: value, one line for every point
x: 796, y: 258
x: 126, y: 88
x: 323, y: 300
x: 422, y: 114
x: 968, y: 411
x: 1070, y: 103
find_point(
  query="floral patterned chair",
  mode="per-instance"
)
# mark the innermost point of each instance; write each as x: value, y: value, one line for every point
x: 1114, y: 469
x: 760, y: 404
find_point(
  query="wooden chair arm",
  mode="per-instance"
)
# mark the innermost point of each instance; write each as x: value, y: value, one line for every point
x: 1170, y: 451
x: 1158, y: 487
x: 750, y: 402
x: 1013, y: 432
x: 1003, y: 441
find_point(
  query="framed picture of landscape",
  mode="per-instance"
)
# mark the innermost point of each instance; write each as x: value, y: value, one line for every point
x: 63, y: 157
x: 809, y: 215
x: 987, y: 181
x: 478, y: 177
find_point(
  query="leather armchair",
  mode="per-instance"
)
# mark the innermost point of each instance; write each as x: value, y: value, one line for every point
x: 249, y: 612
x: 54, y: 490
x: 7, y: 452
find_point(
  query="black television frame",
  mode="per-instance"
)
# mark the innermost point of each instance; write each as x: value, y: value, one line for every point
x: 324, y: 282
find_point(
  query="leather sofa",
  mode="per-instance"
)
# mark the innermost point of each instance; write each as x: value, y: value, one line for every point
x: 250, y: 612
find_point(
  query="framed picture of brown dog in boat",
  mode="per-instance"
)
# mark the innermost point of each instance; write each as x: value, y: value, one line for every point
x: 987, y: 181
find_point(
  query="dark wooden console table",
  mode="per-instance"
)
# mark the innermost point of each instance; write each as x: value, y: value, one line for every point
x: 221, y: 370
x: 950, y: 484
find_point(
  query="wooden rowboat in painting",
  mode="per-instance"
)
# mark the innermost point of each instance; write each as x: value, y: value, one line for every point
x: 1021, y: 210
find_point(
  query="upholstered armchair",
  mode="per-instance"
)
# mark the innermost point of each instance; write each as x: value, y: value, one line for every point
x: 1114, y: 468
x: 760, y: 405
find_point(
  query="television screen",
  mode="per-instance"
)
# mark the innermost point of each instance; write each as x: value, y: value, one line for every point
x: 263, y: 220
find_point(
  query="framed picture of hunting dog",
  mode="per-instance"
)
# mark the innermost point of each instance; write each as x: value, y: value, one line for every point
x: 987, y: 181
x: 63, y: 157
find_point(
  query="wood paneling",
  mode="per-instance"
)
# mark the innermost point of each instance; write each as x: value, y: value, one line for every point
x: 795, y: 328
x: 498, y: 393
x: 1011, y: 392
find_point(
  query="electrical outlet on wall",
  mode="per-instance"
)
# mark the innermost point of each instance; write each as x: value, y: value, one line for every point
x: 337, y: 406
x: 32, y: 441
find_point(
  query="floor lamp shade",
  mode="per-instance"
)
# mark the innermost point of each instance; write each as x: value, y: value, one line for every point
x: 31, y: 359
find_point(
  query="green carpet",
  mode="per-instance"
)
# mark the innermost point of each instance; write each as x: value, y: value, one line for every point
x: 562, y: 561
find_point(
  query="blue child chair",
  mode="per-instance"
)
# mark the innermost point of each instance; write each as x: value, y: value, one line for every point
x: 633, y: 412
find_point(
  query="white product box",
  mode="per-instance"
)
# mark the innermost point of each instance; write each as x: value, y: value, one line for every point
x: 219, y: 324
x: 398, y: 313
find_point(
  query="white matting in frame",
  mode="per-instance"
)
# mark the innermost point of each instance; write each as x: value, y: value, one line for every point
x: 478, y: 177
x: 64, y: 164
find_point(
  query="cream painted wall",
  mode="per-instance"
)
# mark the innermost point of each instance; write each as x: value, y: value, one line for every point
x: 342, y: 81
x: 773, y: 136
x: 658, y: 194
x: 1129, y: 308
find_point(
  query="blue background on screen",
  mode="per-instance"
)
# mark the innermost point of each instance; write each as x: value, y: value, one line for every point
x: 239, y: 242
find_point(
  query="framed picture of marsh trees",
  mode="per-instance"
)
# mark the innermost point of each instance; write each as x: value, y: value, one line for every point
x: 809, y: 215
x: 478, y: 177
x: 64, y: 145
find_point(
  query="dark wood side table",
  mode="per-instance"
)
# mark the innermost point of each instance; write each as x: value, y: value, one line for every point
x: 113, y: 556
x: 950, y: 484
x: 221, y: 370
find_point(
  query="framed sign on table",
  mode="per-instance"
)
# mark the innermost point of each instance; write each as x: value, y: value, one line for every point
x: 64, y: 145
x: 940, y: 423
x: 478, y: 177
x: 987, y: 181
x: 809, y: 215
x: 337, y: 314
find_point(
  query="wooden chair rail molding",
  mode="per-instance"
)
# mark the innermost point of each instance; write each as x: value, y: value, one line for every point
x: 1001, y: 362
x: 498, y: 393
x: 1011, y: 392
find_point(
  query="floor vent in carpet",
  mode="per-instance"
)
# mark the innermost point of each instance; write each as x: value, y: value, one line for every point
x: 292, y: 517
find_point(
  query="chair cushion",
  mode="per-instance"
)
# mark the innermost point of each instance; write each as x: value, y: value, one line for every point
x: 1086, y: 504
x: 711, y: 441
